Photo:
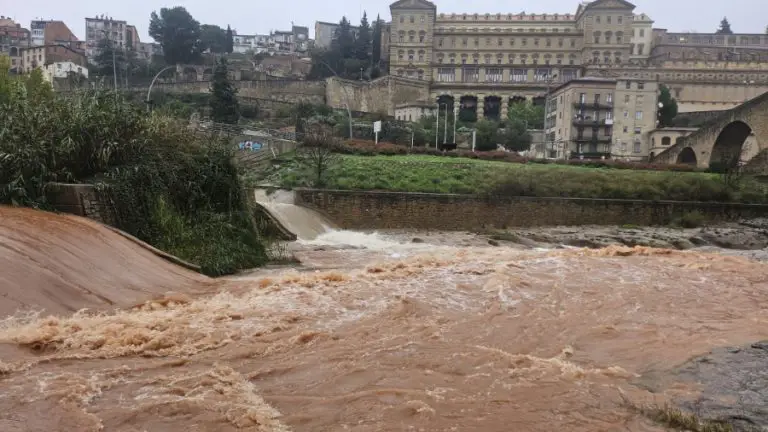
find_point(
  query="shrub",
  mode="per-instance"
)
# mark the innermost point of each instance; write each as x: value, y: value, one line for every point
x: 171, y: 188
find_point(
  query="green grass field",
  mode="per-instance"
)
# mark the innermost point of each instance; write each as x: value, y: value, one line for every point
x: 470, y: 176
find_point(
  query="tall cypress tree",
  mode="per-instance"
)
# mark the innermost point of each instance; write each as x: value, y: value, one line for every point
x: 230, y: 44
x: 344, y: 40
x: 223, y: 101
x: 376, y: 48
x: 363, y: 42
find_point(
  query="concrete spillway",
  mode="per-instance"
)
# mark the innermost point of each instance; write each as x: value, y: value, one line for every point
x: 302, y: 222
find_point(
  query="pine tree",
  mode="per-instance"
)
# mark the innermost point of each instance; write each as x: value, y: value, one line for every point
x: 344, y: 40
x: 230, y: 40
x: 363, y: 42
x: 223, y: 102
x: 668, y: 110
x: 725, y: 27
x: 376, y: 48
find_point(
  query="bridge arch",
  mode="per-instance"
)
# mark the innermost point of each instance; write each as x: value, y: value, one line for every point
x: 687, y: 156
x: 729, y: 146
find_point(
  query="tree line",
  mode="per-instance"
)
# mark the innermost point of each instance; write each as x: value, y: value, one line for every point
x: 183, y: 39
x: 353, y: 54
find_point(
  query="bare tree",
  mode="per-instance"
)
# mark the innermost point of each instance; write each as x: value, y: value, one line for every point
x: 317, y: 154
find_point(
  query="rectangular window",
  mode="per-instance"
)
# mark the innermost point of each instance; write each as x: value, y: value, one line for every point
x: 640, y: 99
x: 642, y: 32
x: 626, y: 98
x: 542, y: 74
x: 638, y: 131
x: 597, y: 98
x: 641, y: 86
x: 639, y: 115
x: 626, y: 114
x: 519, y: 75
x: 446, y: 74
x: 636, y: 148
x: 471, y: 74
x: 440, y: 42
x: 494, y: 75
x: 608, y: 131
x: 609, y: 98
x: 582, y: 98
x: 609, y: 115
x: 628, y: 85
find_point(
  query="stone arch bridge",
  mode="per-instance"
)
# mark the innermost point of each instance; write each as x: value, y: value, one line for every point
x: 737, y: 137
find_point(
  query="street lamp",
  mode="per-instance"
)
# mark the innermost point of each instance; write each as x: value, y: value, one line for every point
x: 152, y: 83
x: 549, y: 79
x: 346, y: 105
x: 114, y: 62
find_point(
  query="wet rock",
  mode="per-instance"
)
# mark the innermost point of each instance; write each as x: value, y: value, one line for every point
x: 417, y: 240
x: 760, y: 345
x: 734, y: 385
x: 682, y: 244
x: 493, y: 243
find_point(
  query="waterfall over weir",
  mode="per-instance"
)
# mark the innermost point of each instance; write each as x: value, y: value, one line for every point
x: 304, y: 223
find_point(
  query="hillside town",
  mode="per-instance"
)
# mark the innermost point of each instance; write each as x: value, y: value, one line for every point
x: 598, y: 82
x: 406, y: 219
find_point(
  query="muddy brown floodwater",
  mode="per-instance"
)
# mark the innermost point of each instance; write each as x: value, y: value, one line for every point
x: 420, y: 337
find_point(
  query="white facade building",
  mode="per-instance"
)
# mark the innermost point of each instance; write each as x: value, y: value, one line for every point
x: 62, y: 70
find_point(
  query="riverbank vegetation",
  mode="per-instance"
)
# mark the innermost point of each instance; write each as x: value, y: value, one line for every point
x: 439, y: 174
x: 172, y: 188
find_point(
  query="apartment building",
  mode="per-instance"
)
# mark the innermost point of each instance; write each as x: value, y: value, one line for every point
x: 601, y: 118
x: 13, y: 39
x: 117, y: 32
x: 325, y: 33
x: 41, y: 56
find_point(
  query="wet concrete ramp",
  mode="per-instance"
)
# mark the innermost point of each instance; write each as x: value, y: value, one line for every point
x: 63, y: 263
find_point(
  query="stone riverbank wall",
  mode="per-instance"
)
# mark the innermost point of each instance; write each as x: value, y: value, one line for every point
x: 393, y: 210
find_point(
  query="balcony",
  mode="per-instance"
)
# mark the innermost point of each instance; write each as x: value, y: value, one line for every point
x: 593, y: 122
x: 590, y: 155
x: 593, y: 106
x: 593, y: 139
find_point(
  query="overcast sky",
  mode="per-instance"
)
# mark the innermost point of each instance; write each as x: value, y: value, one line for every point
x: 261, y: 16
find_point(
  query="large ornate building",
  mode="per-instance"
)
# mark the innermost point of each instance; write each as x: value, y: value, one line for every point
x: 486, y: 61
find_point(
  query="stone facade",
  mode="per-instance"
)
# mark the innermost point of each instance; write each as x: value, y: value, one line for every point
x: 381, y: 95
x: 393, y: 210
x: 476, y: 59
x: 289, y: 91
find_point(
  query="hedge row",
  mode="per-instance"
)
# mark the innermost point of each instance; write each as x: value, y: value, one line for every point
x: 367, y: 148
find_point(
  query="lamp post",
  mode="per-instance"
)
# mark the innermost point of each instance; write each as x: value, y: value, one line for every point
x: 437, y: 123
x: 550, y: 79
x: 152, y: 83
x: 346, y: 105
x: 114, y: 62
x: 445, y: 125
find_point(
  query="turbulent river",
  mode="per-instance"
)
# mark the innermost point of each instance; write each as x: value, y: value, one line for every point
x: 375, y: 332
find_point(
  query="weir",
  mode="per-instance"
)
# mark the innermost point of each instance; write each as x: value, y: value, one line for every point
x: 301, y: 222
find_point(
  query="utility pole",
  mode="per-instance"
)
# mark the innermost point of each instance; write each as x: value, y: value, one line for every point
x: 550, y: 78
x: 445, y: 125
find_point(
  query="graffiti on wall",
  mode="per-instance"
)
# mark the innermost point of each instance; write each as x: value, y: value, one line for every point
x: 250, y: 145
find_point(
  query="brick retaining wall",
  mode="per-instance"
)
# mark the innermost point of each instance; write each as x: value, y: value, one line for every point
x: 382, y: 210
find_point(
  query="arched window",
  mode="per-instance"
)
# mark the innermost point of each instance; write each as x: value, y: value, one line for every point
x: 410, y: 55
x: 400, y: 54
x: 665, y: 141
x: 411, y: 36
x: 421, y: 55
x: 422, y: 35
